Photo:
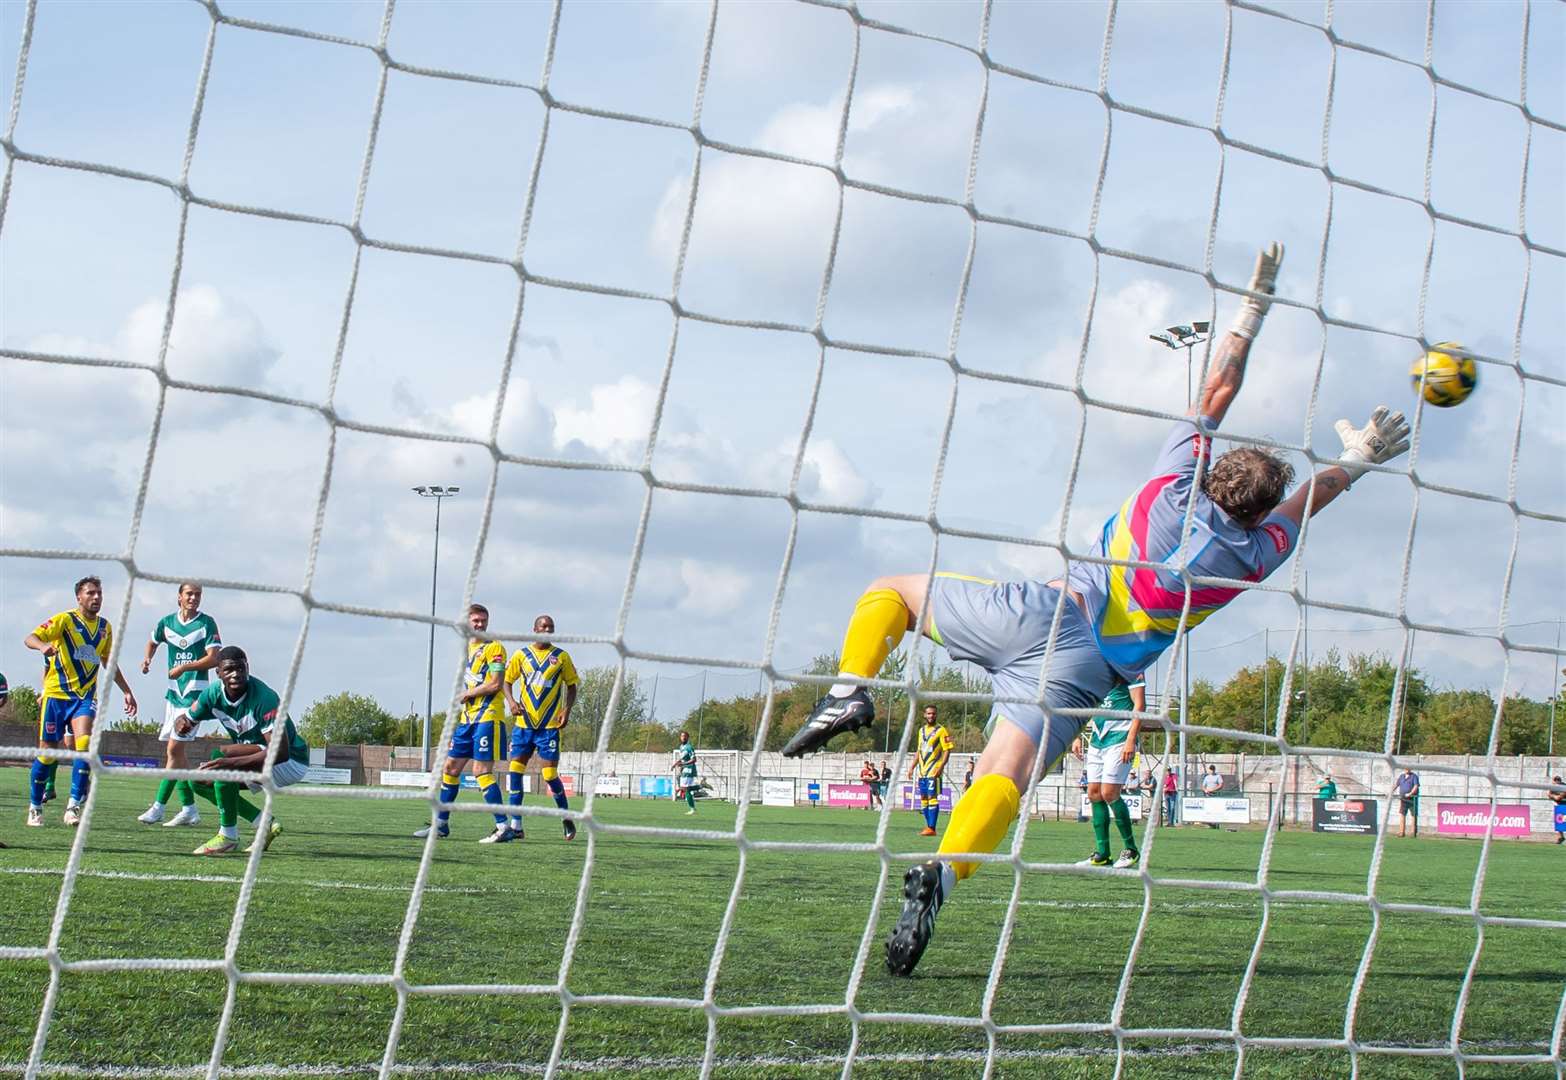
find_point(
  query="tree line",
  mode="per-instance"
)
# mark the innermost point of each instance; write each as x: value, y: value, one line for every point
x: 1336, y: 701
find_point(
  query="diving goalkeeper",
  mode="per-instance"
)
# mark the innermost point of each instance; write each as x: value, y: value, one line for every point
x: 1116, y: 620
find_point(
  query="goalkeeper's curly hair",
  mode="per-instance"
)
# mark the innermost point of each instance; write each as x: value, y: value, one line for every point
x: 1247, y: 483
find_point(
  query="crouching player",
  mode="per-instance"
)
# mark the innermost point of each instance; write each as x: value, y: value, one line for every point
x: 1110, y: 750
x: 1115, y: 618
x: 247, y: 709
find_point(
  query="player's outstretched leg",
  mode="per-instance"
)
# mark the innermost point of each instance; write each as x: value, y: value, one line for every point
x: 881, y: 618
x: 979, y: 821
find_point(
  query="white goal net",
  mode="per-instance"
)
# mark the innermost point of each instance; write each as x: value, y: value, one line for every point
x: 938, y: 252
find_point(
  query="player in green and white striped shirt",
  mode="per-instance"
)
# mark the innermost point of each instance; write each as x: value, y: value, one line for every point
x: 248, y: 711
x: 192, y: 638
x: 1111, y: 748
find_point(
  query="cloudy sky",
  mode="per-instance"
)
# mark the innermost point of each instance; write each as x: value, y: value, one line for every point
x: 234, y: 481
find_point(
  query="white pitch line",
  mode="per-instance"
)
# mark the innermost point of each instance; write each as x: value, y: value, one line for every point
x: 365, y: 886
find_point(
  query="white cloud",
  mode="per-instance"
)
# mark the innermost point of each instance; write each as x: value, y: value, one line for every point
x: 214, y: 339
x: 615, y: 422
x: 711, y: 590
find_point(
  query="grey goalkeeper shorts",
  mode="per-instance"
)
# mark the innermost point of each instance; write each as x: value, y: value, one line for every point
x: 1003, y: 626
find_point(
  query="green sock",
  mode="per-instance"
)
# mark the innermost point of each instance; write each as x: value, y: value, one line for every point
x: 165, y: 789
x: 1101, y: 829
x: 53, y: 767
x: 1122, y: 815
x: 205, y: 791
x: 187, y: 793
x: 690, y: 798
x: 228, y: 804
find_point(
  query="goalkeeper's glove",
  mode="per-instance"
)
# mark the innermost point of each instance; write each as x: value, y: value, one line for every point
x: 1383, y: 438
x: 1264, y: 280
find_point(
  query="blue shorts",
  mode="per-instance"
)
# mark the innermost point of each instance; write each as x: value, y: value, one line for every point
x: 477, y: 741
x: 54, y: 718
x: 929, y: 787
x: 1003, y: 626
x: 545, y: 742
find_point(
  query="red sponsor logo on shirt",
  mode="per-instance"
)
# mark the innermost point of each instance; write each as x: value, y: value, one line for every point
x: 1199, y: 446
x: 1280, y: 536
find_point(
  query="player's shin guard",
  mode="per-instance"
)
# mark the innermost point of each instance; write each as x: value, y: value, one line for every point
x: 81, y: 772
x: 980, y: 819
x: 187, y: 793
x: 448, y: 794
x: 491, y: 792
x: 228, y: 806
x: 514, y: 787
x: 1122, y: 815
x: 556, y: 788
x: 37, y: 777
x: 1101, y: 829
x: 879, y: 622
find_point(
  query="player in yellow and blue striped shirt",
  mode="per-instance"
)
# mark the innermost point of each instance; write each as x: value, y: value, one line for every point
x: 75, y: 645
x: 546, y: 680
x: 935, y: 749
x: 477, y: 736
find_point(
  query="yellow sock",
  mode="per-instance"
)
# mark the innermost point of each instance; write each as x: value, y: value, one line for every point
x: 879, y: 622
x: 83, y: 741
x: 980, y: 819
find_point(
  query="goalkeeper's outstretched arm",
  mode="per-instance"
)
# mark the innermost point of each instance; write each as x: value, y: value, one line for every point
x: 1384, y: 437
x: 1228, y: 371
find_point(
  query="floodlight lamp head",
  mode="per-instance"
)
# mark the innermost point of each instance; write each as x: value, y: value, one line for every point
x: 1164, y: 339
x: 1180, y: 332
x: 1202, y: 327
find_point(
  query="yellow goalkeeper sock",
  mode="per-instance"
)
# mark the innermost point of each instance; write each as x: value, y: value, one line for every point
x: 980, y: 819
x: 879, y: 622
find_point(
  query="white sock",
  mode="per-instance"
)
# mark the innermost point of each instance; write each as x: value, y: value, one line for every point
x: 229, y: 832
x: 843, y: 689
x: 948, y: 879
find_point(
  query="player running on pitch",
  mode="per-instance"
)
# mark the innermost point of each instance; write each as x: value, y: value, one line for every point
x: 684, y: 766
x: 247, y: 709
x: 1110, y: 751
x: 1115, y: 620
x: 935, y: 749
x: 192, y: 638
x: 477, y: 737
x: 75, y: 645
x: 547, y: 679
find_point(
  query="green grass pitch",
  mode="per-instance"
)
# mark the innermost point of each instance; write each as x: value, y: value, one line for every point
x: 333, y: 893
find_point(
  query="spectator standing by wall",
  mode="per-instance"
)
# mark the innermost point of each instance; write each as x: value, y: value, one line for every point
x: 886, y: 778
x: 1407, y: 788
x: 967, y: 777
x: 1328, y: 788
x: 869, y: 774
x: 1149, y: 790
x: 1171, y: 785
x: 1212, y: 784
x: 1558, y: 798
